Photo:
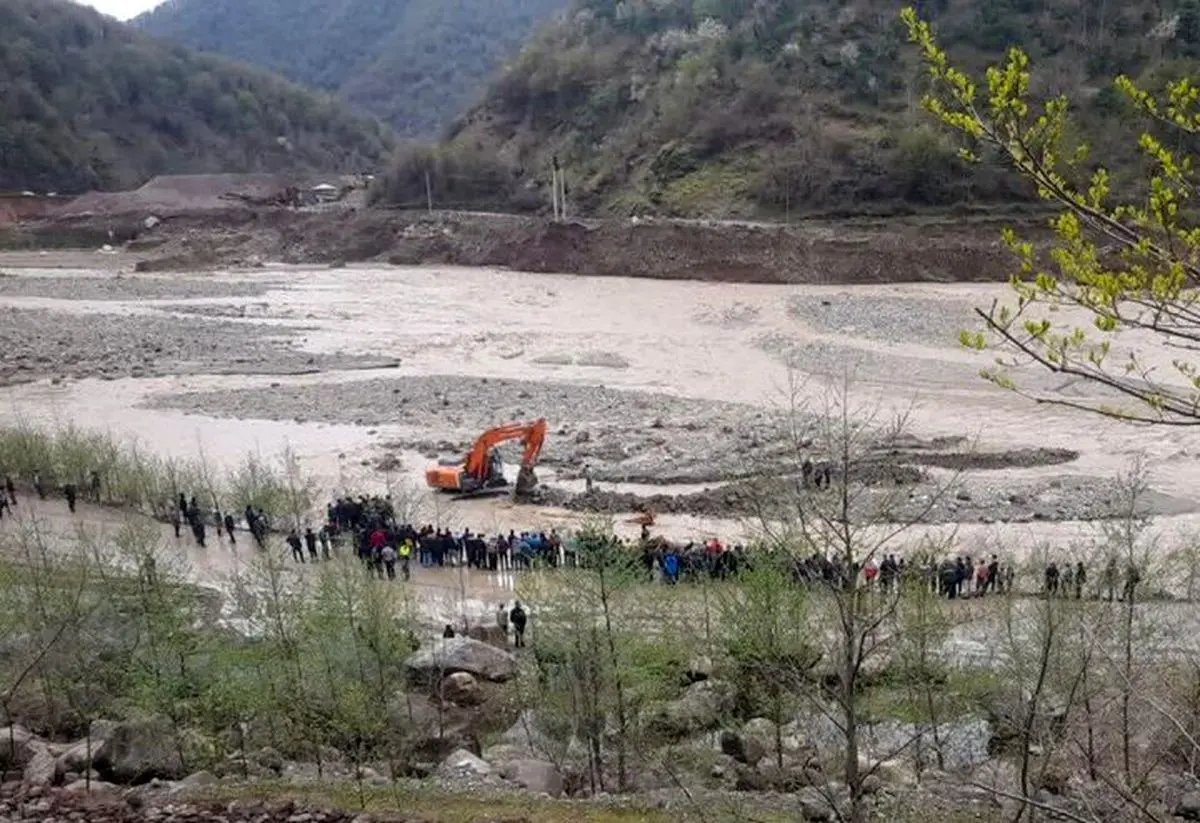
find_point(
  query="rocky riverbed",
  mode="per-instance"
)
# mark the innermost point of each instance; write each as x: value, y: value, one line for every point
x: 39, y: 343
x: 130, y: 287
x: 740, y: 453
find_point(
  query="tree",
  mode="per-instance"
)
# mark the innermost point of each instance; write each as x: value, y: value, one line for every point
x: 853, y: 512
x: 1119, y: 261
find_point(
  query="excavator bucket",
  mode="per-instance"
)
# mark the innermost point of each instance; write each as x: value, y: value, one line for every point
x: 526, y: 482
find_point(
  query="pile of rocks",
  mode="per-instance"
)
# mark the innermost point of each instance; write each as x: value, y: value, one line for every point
x: 62, y: 805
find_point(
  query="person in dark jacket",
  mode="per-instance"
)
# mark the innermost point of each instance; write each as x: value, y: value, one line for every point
x: 293, y: 540
x: 310, y: 542
x: 448, y: 632
x: 229, y: 528
x: 519, y: 620
x: 70, y: 493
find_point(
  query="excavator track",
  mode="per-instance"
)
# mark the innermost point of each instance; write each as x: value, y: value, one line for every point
x: 494, y: 491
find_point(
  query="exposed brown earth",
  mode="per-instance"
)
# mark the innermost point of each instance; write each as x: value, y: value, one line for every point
x: 910, y: 250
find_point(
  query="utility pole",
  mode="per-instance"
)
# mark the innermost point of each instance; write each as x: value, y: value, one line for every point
x: 428, y: 194
x: 554, y: 187
x: 562, y: 192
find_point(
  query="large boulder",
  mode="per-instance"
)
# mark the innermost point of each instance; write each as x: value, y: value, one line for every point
x: 1188, y: 806
x: 1011, y: 711
x: 17, y: 747
x: 432, y: 731
x: 700, y: 709
x: 535, y: 775
x: 460, y: 654
x: 462, y: 764
x: 140, y: 750
x: 78, y: 756
x: 492, y: 635
x: 461, y: 688
x: 741, y: 748
x: 42, y: 768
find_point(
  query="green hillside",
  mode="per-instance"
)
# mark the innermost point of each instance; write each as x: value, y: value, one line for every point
x: 414, y: 63
x: 86, y: 102
x: 766, y: 107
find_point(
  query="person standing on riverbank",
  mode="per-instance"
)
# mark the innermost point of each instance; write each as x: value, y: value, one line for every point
x: 69, y: 493
x: 389, y: 561
x: 293, y: 540
x: 519, y: 620
x: 502, y: 620
x: 310, y: 542
x: 229, y: 524
x: 10, y: 489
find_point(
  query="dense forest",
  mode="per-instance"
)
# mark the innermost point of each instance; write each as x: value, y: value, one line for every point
x: 86, y: 102
x: 749, y: 107
x: 414, y: 63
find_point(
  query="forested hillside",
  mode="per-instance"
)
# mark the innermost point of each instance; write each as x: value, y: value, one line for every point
x: 86, y: 102
x: 414, y: 63
x: 745, y: 107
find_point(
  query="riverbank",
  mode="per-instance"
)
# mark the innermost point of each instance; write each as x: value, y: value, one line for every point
x: 943, y: 249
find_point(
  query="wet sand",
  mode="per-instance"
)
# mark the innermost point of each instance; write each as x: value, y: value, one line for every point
x: 699, y: 343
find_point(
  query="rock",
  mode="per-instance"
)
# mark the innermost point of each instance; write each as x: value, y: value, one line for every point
x: 461, y: 654
x: 700, y: 668
x: 1188, y: 806
x: 198, y: 780
x: 42, y: 768
x: 102, y: 730
x: 701, y: 708
x: 461, y: 763
x: 815, y: 808
x: 17, y: 747
x: 432, y: 732
x: 91, y: 787
x: 140, y: 750
x: 461, y: 688
x: 535, y: 775
x: 741, y: 748
x: 269, y: 758
x: 896, y: 773
x: 761, y: 731
x: 524, y: 739
x: 493, y: 635
x: 78, y: 756
x: 1008, y: 712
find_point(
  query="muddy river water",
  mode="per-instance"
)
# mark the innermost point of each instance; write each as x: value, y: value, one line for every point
x: 683, y: 341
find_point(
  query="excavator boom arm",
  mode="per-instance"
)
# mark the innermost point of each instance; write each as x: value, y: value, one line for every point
x: 534, y: 434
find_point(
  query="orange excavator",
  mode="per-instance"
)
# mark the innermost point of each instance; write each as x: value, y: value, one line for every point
x: 482, y: 472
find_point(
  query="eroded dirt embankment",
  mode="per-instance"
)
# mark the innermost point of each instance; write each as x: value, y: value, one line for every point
x: 901, y: 250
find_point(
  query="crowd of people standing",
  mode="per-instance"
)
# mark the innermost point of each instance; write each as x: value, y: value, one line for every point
x: 368, y: 527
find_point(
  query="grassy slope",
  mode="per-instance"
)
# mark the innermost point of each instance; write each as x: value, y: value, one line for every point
x: 87, y: 102
x: 736, y: 108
